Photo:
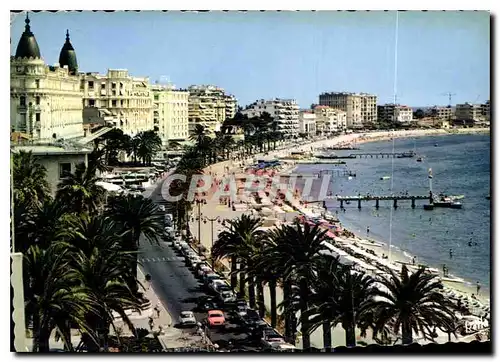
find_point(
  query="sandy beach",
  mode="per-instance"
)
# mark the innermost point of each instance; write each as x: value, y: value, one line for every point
x: 276, y: 213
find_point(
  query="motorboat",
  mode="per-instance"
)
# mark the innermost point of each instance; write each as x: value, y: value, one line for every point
x: 385, y: 177
x: 420, y: 159
x: 448, y: 202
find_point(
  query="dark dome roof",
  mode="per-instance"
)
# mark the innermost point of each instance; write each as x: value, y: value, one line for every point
x: 27, y: 47
x: 68, y: 56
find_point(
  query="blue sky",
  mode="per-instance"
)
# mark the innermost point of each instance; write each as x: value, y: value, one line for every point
x: 283, y: 54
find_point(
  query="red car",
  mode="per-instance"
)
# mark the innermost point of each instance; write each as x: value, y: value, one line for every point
x: 216, y: 318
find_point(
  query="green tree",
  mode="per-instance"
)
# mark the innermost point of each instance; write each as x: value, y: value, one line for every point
x: 239, y: 241
x: 136, y: 216
x: 297, y: 252
x: 53, y: 299
x: 29, y: 180
x: 79, y: 191
x: 413, y: 303
x: 340, y: 295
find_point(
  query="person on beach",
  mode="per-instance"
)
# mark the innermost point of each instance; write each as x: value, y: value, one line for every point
x: 368, y: 230
x: 478, y: 287
x: 451, y: 253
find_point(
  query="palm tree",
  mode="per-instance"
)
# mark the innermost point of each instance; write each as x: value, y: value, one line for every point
x: 79, y: 191
x: 136, y: 216
x: 101, y: 266
x: 53, y: 299
x: 29, y: 180
x: 237, y: 242
x: 339, y: 296
x: 148, y: 143
x: 297, y: 252
x: 412, y: 302
x: 97, y: 160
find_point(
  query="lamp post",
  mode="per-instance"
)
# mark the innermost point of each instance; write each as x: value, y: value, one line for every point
x: 211, y: 220
x: 199, y: 202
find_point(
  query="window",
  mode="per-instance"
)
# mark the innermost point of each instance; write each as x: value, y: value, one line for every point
x: 37, y: 100
x: 103, y: 85
x: 37, y: 118
x: 22, y: 101
x: 64, y: 169
x: 113, y: 85
x: 37, y: 83
x: 113, y: 103
x: 91, y: 84
x: 91, y: 102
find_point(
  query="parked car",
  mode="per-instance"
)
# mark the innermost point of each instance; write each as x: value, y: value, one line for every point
x: 216, y: 283
x: 203, y: 269
x: 187, y: 318
x: 207, y: 303
x: 169, y: 219
x: 226, y: 296
x: 241, y: 308
x: 207, y: 278
x: 194, y: 261
x: 162, y: 208
x: 215, y: 318
x: 169, y: 230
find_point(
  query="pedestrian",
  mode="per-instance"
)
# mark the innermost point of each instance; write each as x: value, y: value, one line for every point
x: 151, y: 323
x: 451, y: 253
x: 368, y: 230
x: 478, y: 287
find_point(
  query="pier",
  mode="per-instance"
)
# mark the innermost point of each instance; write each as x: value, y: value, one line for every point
x: 321, y: 162
x: 377, y: 199
x: 372, y: 155
x: 337, y: 172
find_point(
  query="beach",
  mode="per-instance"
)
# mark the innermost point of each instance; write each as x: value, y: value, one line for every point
x: 213, y: 209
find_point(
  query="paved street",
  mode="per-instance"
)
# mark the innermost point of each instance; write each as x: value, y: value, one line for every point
x: 178, y: 289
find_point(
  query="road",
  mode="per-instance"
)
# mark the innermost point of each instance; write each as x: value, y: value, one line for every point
x: 178, y: 289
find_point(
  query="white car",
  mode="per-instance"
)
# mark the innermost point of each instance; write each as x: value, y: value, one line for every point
x: 204, y: 269
x: 227, y: 296
x: 216, y: 283
x: 187, y: 318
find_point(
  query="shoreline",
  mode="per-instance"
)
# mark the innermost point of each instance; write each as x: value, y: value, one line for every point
x: 226, y: 167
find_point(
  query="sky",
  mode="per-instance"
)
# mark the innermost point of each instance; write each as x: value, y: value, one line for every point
x: 297, y: 55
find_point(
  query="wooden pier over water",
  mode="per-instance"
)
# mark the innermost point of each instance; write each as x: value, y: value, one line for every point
x: 372, y: 155
x: 377, y: 199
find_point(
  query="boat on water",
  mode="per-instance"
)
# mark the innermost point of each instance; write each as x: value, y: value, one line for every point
x: 448, y: 202
x: 409, y: 154
x: 385, y: 177
x: 420, y: 159
x: 435, y: 144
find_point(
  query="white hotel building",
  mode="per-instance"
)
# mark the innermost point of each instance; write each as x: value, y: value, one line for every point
x: 45, y: 101
x: 284, y: 111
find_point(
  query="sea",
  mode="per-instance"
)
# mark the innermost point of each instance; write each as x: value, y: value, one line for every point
x: 458, y: 238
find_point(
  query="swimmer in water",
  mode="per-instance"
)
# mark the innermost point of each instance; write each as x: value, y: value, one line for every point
x: 451, y: 253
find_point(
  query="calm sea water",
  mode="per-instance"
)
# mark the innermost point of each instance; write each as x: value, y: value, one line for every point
x: 460, y: 166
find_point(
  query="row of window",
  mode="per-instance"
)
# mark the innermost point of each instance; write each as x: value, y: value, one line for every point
x: 22, y: 101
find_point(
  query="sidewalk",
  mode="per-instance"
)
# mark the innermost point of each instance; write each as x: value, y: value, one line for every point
x: 163, y: 324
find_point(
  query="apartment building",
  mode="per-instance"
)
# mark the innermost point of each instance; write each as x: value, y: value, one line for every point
x: 128, y: 98
x: 357, y: 106
x: 469, y: 112
x: 170, y: 113
x: 395, y: 113
x: 283, y: 111
x: 307, y: 122
x: 368, y: 108
x: 485, y: 111
x: 45, y: 101
x: 330, y: 120
x: 209, y: 106
x: 442, y: 113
